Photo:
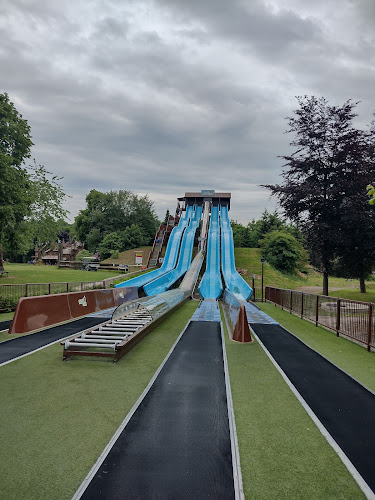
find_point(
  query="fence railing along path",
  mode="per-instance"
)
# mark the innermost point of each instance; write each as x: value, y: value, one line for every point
x: 9, y: 294
x: 351, y: 318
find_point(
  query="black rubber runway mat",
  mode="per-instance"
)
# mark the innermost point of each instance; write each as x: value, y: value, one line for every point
x: 4, y: 325
x: 16, y: 347
x: 344, y: 407
x: 177, y: 443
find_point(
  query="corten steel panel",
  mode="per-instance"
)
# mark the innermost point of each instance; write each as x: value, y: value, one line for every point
x: 33, y: 313
x: 82, y: 303
x: 122, y: 295
x: 241, y: 332
x: 104, y: 299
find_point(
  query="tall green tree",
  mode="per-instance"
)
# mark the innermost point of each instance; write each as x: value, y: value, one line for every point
x: 15, y: 145
x: 331, y: 156
x: 113, y: 212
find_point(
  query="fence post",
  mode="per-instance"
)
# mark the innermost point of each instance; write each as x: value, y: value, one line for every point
x: 317, y: 311
x: 26, y: 289
x: 104, y: 284
x: 253, y: 286
x: 67, y: 287
x: 291, y: 301
x: 81, y: 286
x: 369, y: 329
x: 338, y: 317
x: 49, y: 288
x: 302, y: 304
x: 282, y: 299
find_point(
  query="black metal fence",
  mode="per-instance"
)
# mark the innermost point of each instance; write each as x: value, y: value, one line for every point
x: 9, y: 294
x: 350, y: 318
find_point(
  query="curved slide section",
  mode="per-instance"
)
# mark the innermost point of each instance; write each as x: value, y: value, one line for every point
x: 211, y: 286
x: 170, y: 257
x: 166, y: 281
x: 233, y: 281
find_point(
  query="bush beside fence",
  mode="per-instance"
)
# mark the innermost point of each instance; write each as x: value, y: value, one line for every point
x: 350, y: 318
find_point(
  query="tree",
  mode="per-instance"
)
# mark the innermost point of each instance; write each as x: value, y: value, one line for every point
x: 114, y: 212
x: 15, y: 145
x: 44, y: 219
x: 166, y: 217
x: 282, y: 251
x: 318, y: 192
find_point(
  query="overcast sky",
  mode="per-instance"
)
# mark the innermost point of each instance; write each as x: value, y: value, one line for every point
x: 168, y: 96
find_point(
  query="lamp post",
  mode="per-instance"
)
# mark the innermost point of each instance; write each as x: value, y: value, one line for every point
x: 262, y: 260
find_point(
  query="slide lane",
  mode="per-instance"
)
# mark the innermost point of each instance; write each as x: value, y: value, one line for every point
x: 166, y: 281
x: 211, y: 286
x: 170, y: 257
x: 177, y: 443
x: 233, y: 281
x: 342, y: 405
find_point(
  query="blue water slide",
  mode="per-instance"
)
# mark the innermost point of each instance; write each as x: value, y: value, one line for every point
x: 233, y: 281
x: 170, y: 257
x: 166, y: 281
x: 211, y: 287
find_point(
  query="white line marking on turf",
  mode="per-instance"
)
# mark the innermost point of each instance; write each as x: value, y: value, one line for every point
x: 237, y: 474
x: 348, y: 464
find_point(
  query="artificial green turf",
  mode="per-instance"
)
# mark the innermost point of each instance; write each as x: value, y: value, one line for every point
x: 283, y: 454
x: 350, y: 357
x: 57, y: 417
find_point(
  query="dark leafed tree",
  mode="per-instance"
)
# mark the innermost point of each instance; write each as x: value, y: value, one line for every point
x: 324, y: 180
x: 15, y: 144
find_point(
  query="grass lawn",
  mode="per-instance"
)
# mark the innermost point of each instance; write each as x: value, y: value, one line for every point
x: 57, y: 417
x: 25, y: 273
x: 369, y: 296
x: 283, y: 454
x: 350, y: 357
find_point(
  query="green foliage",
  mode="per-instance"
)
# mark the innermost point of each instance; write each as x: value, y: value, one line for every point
x: 116, y: 212
x: 249, y: 236
x: 15, y: 145
x: 111, y: 242
x: 82, y: 254
x: 371, y: 193
x: 282, y: 251
x: 167, y: 214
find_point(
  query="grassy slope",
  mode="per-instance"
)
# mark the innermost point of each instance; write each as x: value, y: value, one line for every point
x: 350, y: 357
x: 283, y: 454
x: 58, y: 417
x: 248, y: 262
x: 128, y: 256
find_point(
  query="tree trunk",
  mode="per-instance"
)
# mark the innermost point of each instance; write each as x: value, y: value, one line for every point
x: 362, y: 285
x: 325, y: 283
x: 1, y: 252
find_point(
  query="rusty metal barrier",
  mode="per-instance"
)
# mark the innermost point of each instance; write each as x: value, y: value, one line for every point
x: 34, y: 313
x: 351, y: 318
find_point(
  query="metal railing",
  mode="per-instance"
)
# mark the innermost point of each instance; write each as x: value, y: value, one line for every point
x: 9, y: 294
x: 350, y: 318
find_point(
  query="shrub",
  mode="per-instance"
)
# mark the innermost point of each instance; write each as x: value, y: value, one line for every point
x: 282, y: 251
x: 83, y: 253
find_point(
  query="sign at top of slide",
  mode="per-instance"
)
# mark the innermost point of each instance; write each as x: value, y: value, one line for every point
x: 208, y: 192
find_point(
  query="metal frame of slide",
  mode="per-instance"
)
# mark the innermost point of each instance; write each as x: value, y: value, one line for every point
x: 211, y: 285
x: 170, y: 257
x: 233, y: 281
x: 168, y: 279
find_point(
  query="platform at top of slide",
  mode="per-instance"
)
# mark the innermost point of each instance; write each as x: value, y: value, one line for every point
x: 233, y: 281
x: 170, y: 257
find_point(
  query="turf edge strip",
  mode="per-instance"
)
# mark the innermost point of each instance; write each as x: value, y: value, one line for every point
x: 78, y: 494
x: 348, y: 464
x: 237, y: 474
